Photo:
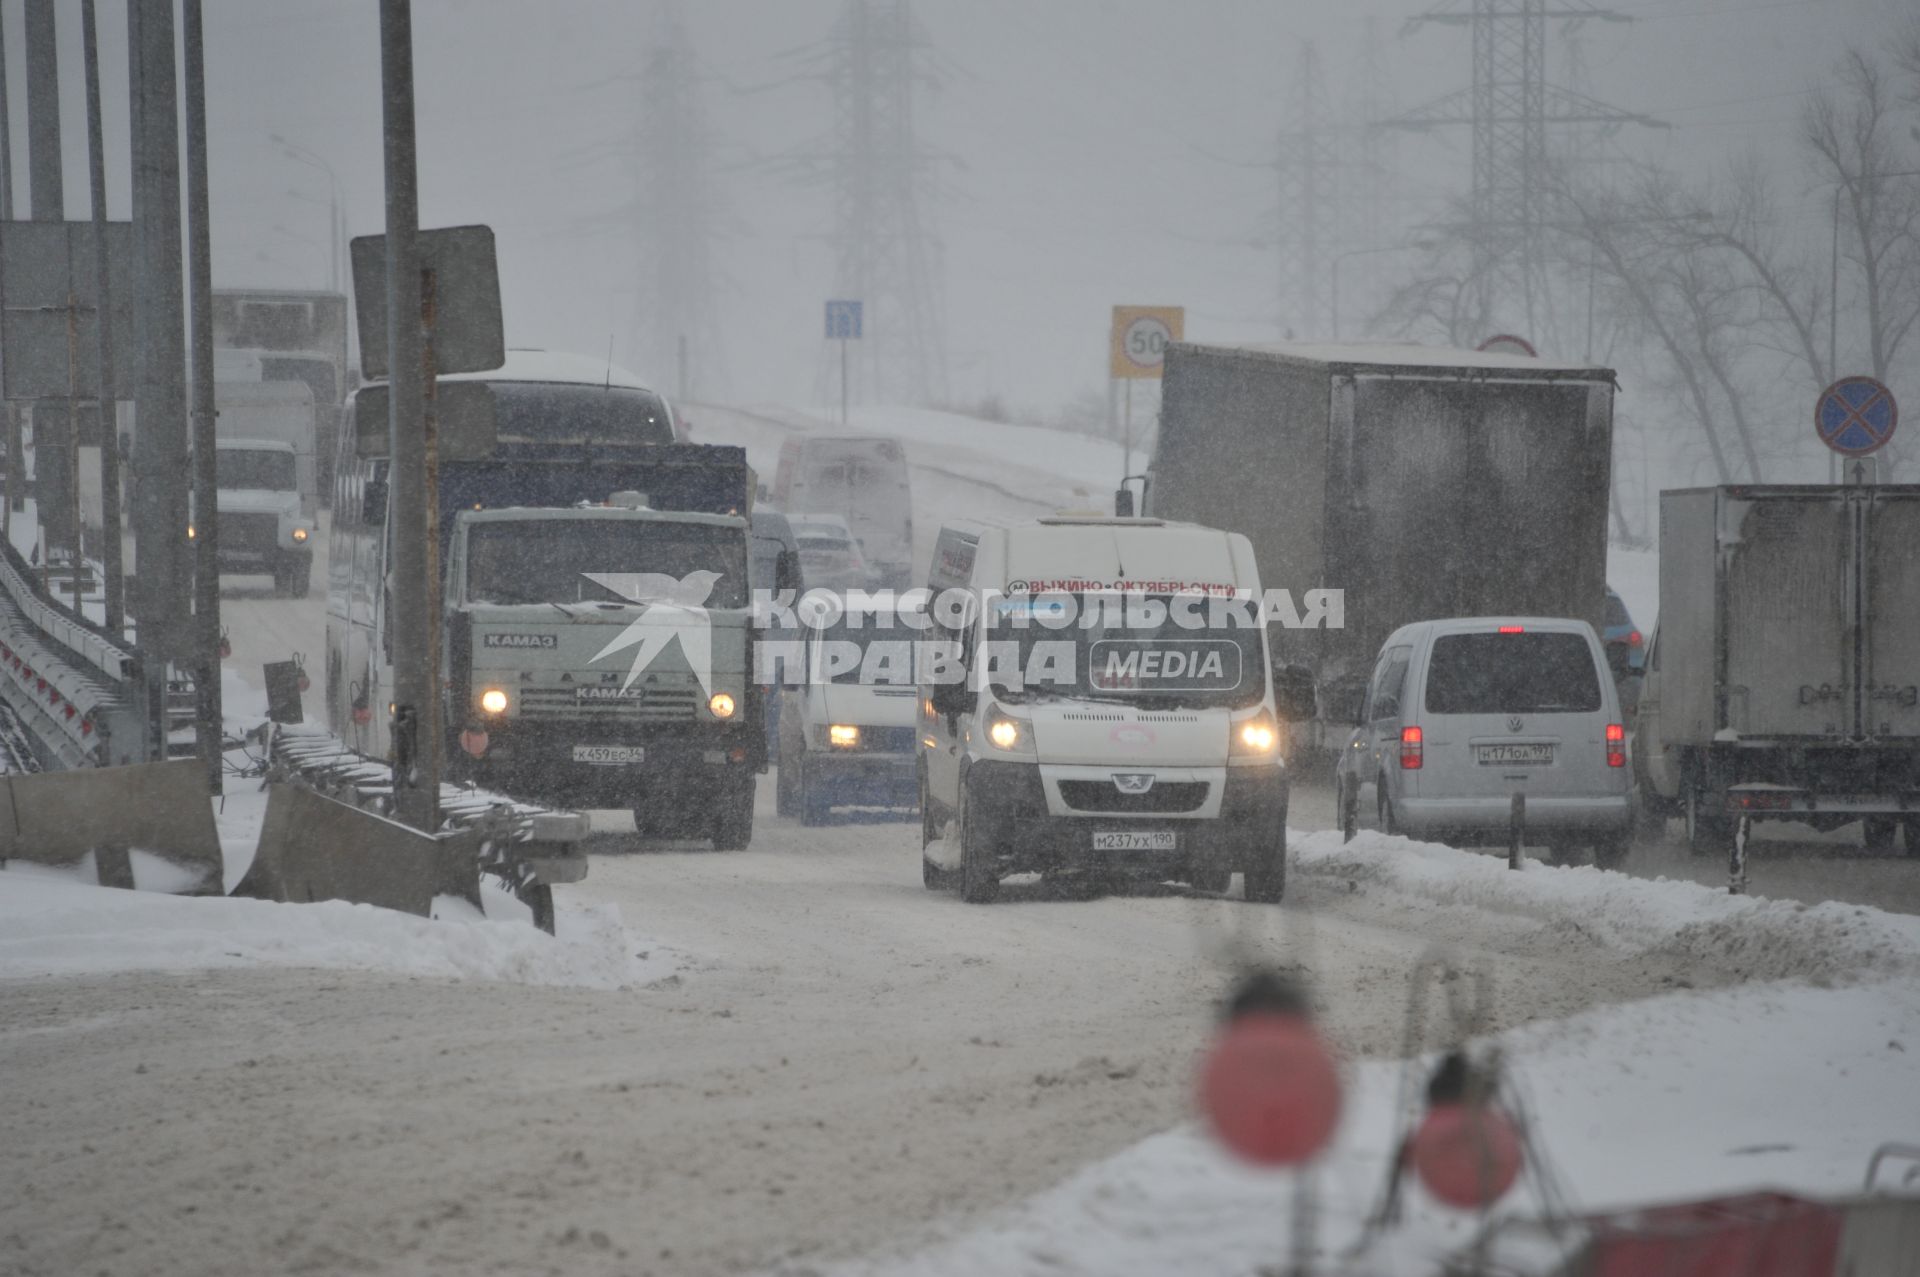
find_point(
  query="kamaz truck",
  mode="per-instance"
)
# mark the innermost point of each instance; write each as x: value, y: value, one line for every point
x: 601, y: 656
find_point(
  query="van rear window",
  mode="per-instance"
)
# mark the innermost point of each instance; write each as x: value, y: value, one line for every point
x: 1512, y: 674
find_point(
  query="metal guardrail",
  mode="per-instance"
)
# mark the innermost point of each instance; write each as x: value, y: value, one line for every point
x: 68, y: 682
x: 528, y: 848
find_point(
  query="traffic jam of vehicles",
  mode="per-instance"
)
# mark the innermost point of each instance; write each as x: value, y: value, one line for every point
x: 598, y: 677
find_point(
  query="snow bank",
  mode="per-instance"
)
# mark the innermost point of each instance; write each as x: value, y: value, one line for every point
x: 1757, y: 938
x: 51, y: 924
x: 1631, y: 1104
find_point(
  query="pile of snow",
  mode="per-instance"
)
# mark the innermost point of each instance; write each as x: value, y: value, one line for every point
x: 54, y: 924
x: 1677, y: 1097
x: 1757, y: 938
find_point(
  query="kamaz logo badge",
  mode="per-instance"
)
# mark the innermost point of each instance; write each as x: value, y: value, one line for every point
x: 608, y: 693
x: 520, y: 640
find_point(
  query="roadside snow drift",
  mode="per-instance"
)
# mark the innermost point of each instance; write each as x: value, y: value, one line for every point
x: 1758, y: 938
x: 54, y: 925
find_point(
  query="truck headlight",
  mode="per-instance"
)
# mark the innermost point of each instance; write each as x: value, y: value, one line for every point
x: 494, y: 701
x: 721, y: 703
x: 1256, y: 737
x: 843, y: 735
x: 190, y: 532
x: 299, y: 536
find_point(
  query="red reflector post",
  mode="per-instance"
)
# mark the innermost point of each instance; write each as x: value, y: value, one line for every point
x: 1616, y: 745
x: 1513, y: 629
x: 1412, y: 748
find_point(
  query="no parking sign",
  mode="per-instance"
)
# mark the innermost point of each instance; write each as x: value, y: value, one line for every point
x: 1856, y: 416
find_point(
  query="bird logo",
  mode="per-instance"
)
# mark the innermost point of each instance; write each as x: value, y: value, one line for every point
x: 672, y: 607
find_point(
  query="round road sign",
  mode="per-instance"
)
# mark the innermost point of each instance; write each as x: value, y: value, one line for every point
x: 1145, y: 342
x: 1508, y: 344
x: 1855, y: 416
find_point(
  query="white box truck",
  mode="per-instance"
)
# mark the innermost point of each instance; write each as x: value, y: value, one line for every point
x: 1783, y: 681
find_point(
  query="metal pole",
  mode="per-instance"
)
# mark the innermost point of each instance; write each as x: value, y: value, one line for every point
x: 111, y: 557
x: 1126, y: 433
x: 681, y: 391
x: 416, y: 780
x: 16, y: 463
x: 161, y: 494
x: 843, y: 381
x: 1833, y: 320
x: 54, y: 427
x: 1333, y: 294
x: 206, y: 483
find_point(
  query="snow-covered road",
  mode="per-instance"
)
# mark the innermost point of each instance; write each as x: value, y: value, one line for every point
x: 843, y: 1059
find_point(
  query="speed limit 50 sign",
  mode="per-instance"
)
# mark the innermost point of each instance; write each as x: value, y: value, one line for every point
x: 1140, y: 337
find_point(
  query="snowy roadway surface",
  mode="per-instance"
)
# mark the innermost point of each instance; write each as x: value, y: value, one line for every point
x: 795, y: 1059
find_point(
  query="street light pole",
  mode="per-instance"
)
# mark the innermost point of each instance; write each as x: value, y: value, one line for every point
x: 336, y: 218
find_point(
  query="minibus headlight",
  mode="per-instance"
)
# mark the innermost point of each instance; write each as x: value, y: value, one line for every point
x: 1009, y: 734
x: 1256, y: 737
x: 843, y: 735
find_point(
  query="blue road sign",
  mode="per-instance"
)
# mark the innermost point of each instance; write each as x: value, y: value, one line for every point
x: 1856, y: 416
x: 843, y: 320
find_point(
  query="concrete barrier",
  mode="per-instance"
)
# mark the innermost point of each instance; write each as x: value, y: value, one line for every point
x: 317, y: 848
x: 59, y: 818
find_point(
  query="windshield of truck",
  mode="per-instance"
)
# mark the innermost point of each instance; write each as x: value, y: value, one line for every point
x: 1512, y: 674
x: 607, y: 561
x: 559, y: 412
x: 1143, y: 649
x: 254, y: 468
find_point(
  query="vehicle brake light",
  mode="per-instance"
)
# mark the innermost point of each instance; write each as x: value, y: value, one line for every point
x: 1616, y: 745
x: 1513, y: 629
x: 1634, y: 639
x: 1412, y: 748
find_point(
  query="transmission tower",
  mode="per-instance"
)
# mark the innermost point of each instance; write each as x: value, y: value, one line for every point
x: 1510, y: 108
x: 676, y: 326
x: 1308, y: 167
x: 884, y: 254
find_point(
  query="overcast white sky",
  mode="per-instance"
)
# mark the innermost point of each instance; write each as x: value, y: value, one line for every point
x: 1098, y: 149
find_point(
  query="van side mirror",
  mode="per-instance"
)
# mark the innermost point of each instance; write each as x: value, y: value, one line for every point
x: 786, y: 572
x: 951, y: 699
x: 1294, y: 697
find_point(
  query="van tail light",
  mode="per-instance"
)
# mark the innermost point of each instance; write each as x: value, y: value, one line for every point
x: 1412, y: 748
x: 1616, y: 745
x: 1634, y: 639
x: 1513, y: 629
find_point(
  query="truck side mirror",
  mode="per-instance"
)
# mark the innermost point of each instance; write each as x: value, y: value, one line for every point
x: 1123, y: 503
x: 786, y: 572
x: 1294, y: 698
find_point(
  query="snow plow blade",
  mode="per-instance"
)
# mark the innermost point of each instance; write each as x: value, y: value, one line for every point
x: 159, y: 809
x: 317, y: 848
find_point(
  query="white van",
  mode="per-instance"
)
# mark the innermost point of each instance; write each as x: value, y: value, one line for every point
x: 1463, y: 715
x: 847, y: 731
x: 1107, y: 709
